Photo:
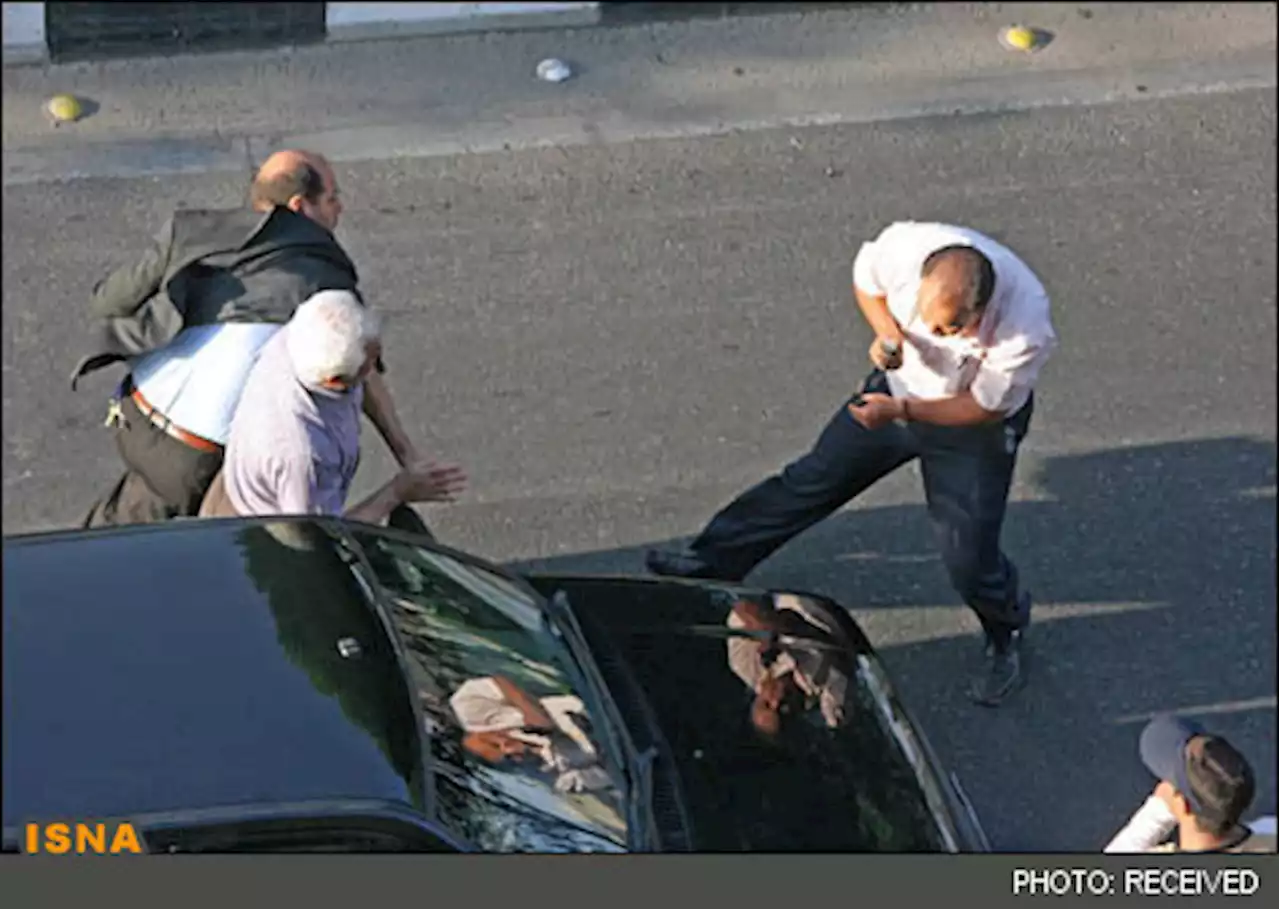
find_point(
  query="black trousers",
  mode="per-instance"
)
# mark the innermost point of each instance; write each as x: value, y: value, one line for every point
x: 163, y: 479
x: 403, y: 517
x: 967, y: 472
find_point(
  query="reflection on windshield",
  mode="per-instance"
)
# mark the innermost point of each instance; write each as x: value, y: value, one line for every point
x: 786, y: 677
x: 814, y: 701
x: 517, y: 761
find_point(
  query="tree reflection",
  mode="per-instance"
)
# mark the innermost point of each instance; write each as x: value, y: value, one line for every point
x: 461, y: 625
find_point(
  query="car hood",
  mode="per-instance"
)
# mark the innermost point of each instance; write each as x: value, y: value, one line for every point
x: 776, y: 726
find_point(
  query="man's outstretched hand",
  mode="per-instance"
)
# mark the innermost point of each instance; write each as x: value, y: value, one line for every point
x: 426, y: 481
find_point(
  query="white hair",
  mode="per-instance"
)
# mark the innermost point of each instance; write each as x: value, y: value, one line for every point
x: 328, y: 336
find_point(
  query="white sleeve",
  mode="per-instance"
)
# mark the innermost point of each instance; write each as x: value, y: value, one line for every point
x: 1149, y: 827
x: 1008, y: 373
x: 481, y: 707
x: 744, y: 655
x: 865, y: 276
x: 873, y: 265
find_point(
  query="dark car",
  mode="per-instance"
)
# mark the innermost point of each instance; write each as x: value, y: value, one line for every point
x: 302, y: 684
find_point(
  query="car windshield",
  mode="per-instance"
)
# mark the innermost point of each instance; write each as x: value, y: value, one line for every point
x: 514, y: 748
x: 783, y: 730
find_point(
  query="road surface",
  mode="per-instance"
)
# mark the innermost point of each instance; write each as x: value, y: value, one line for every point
x: 615, y: 336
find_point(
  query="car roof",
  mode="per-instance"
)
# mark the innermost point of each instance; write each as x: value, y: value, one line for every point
x: 196, y: 664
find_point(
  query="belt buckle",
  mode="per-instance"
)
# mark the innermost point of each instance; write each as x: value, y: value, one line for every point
x: 115, y: 415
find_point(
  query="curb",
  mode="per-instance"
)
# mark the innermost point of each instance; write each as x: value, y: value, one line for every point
x: 138, y: 157
x: 27, y: 41
x: 580, y: 16
x: 25, y: 54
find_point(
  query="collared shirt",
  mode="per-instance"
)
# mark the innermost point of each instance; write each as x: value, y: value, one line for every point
x: 1015, y: 336
x: 196, y: 379
x: 292, y: 449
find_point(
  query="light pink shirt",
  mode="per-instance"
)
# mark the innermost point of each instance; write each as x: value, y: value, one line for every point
x: 292, y: 449
x: 1015, y: 338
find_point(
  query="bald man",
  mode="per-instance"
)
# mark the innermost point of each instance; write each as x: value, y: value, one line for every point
x: 962, y: 330
x: 189, y: 318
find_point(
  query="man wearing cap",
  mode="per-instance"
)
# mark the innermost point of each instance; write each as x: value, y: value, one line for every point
x: 1205, y: 786
x: 962, y: 331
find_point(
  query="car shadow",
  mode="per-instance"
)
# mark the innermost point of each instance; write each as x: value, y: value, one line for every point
x: 1154, y: 571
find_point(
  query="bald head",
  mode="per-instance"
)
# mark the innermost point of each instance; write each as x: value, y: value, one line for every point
x: 955, y: 286
x: 301, y: 181
x: 288, y: 159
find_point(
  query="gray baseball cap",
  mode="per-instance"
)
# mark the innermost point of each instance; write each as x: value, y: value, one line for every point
x: 1208, y: 771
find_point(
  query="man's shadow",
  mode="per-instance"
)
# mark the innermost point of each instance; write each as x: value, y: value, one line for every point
x: 1154, y: 572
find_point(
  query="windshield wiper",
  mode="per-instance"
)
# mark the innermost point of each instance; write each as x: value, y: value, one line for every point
x: 563, y: 623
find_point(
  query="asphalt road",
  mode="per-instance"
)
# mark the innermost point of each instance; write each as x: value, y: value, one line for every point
x: 615, y: 339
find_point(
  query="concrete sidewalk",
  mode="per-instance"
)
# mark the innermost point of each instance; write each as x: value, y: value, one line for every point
x: 445, y: 95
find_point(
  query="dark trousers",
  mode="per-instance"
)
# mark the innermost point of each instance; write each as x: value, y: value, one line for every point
x: 164, y: 478
x: 966, y: 470
x: 404, y: 517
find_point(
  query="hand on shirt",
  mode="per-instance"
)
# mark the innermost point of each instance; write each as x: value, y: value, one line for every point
x: 430, y: 482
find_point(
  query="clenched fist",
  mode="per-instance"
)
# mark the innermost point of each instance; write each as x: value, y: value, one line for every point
x: 886, y: 352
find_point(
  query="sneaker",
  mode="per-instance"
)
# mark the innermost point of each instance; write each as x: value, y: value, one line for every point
x: 1002, y: 675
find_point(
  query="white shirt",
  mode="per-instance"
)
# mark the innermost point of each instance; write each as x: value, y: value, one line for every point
x: 1153, y: 823
x: 1149, y: 826
x: 481, y: 706
x: 196, y: 379
x: 1015, y: 337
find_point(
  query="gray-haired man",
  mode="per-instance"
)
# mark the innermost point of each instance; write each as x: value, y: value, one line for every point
x: 295, y: 437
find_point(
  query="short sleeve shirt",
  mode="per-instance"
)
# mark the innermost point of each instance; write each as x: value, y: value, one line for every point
x: 1000, y: 366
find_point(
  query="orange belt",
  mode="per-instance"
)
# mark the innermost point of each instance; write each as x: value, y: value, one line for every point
x: 161, y: 422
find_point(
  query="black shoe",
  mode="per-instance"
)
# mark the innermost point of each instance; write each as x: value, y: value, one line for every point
x: 1003, y: 673
x: 1024, y: 621
x: 679, y: 565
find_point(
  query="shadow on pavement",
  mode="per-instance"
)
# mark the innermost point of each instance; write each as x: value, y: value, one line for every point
x: 1154, y: 570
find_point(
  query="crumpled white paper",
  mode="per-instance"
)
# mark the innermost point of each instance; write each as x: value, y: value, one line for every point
x: 553, y: 70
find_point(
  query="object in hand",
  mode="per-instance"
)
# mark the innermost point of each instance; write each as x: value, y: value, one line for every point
x: 887, y: 353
